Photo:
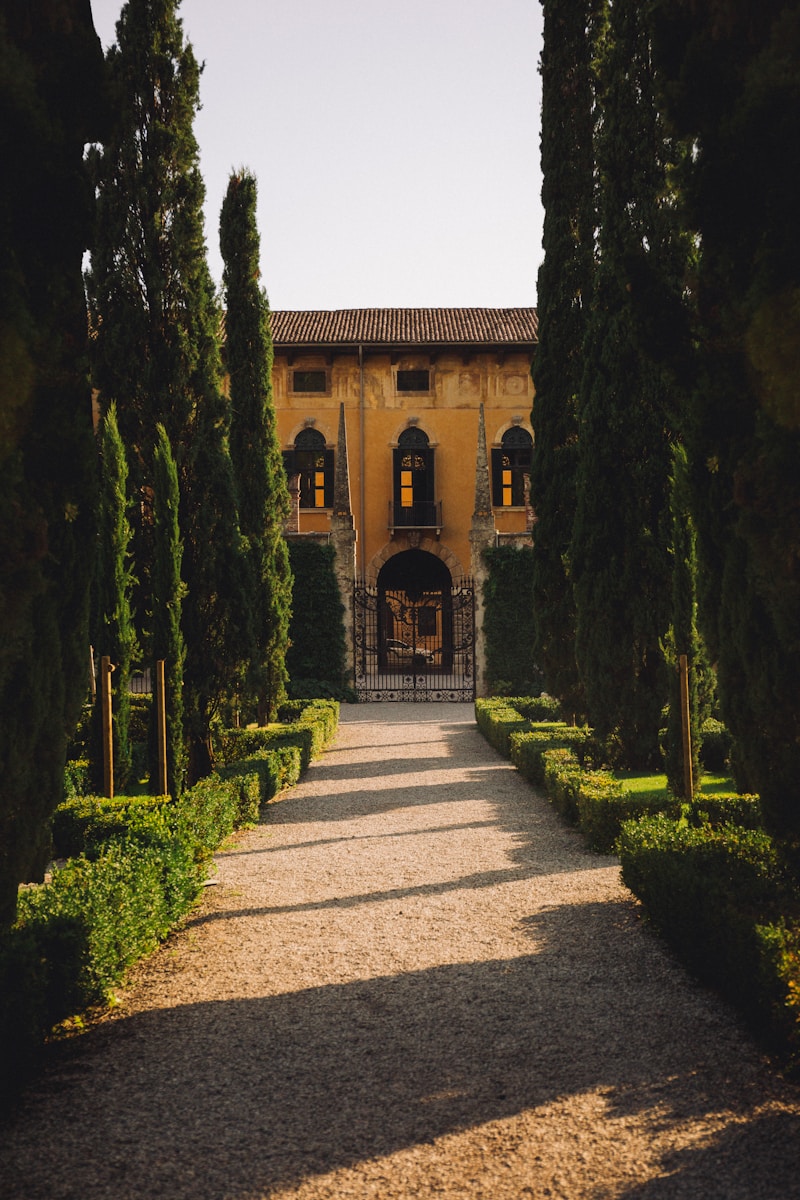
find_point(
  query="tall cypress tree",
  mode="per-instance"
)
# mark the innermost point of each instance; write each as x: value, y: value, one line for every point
x: 684, y: 635
x: 255, y: 450
x: 620, y: 544
x: 564, y: 290
x: 157, y: 351
x: 169, y: 591
x: 51, y: 103
x: 113, y: 630
x: 731, y: 76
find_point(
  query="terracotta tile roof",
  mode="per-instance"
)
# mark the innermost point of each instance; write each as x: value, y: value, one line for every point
x: 406, y: 327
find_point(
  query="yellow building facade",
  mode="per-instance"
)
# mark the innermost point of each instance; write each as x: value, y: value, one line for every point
x: 379, y: 417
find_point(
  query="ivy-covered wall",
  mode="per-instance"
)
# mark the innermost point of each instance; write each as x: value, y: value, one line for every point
x: 508, y: 622
x: 316, y: 656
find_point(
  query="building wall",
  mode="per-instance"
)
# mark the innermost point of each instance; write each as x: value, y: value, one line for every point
x: 375, y: 419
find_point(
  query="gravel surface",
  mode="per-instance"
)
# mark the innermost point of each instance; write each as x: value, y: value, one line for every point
x: 409, y: 980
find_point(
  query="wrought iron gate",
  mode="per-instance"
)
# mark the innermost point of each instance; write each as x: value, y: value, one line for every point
x: 414, y: 646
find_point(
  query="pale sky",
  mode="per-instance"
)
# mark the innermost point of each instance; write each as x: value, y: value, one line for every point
x: 395, y: 144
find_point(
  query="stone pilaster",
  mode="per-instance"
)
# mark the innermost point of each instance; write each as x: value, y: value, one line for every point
x: 343, y: 539
x: 482, y: 535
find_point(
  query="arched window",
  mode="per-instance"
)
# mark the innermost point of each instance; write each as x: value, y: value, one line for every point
x: 510, y: 464
x: 314, y: 464
x: 413, y: 479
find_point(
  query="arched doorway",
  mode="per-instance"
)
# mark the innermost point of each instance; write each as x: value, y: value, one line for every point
x: 414, y: 612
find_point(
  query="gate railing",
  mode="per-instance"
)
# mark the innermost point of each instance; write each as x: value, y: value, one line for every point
x: 415, y: 648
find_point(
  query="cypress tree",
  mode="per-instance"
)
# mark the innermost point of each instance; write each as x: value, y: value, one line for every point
x: 168, y: 595
x: 564, y: 289
x: 157, y: 349
x: 113, y: 629
x: 317, y: 651
x: 684, y: 636
x: 51, y: 104
x: 258, y: 467
x: 620, y: 543
x: 731, y: 84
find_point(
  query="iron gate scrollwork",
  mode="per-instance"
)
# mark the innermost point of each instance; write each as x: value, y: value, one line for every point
x: 414, y: 646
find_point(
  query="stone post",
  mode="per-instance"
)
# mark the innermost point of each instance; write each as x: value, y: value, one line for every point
x: 481, y: 536
x: 343, y: 539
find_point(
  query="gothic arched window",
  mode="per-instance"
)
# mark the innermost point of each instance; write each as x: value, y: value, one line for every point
x: 510, y: 464
x: 314, y: 464
x: 413, y: 478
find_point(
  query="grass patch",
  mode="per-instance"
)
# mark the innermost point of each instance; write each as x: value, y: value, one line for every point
x: 647, y: 786
x: 716, y: 785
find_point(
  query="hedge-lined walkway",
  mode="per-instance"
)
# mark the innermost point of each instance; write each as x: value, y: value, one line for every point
x: 409, y: 980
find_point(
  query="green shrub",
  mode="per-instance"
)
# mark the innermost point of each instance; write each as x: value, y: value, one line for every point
x: 274, y: 770
x: 319, y: 689
x: 85, y: 822
x: 722, y: 808
x: 528, y: 747
x: 562, y: 774
x: 76, y: 777
x: 538, y: 708
x: 715, y: 745
x: 604, y: 804
x: 497, y: 719
x: 717, y: 896
x: 311, y: 726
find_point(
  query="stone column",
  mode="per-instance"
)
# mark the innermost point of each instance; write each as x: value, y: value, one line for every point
x: 343, y: 539
x: 482, y: 535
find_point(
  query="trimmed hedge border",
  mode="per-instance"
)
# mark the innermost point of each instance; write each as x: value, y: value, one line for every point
x: 709, y: 877
x: 725, y: 903
x: 565, y: 761
x: 134, y: 868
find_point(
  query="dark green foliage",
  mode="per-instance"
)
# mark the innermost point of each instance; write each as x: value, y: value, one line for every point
x: 722, y: 899
x: 497, y: 719
x: 731, y: 78
x: 113, y: 630
x: 684, y: 637
x: 274, y: 769
x: 156, y: 347
x: 564, y: 289
x: 725, y: 809
x: 308, y: 726
x: 51, y: 103
x: 619, y: 551
x: 258, y: 466
x: 528, y: 749
x: 508, y: 621
x: 715, y: 745
x: 316, y: 632
x: 168, y: 596
x: 604, y: 805
x: 538, y: 708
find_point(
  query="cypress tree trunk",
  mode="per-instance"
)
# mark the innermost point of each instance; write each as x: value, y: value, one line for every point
x: 620, y: 545
x: 255, y: 451
x: 157, y: 342
x: 168, y: 595
x: 51, y: 103
x: 113, y: 630
x: 564, y: 288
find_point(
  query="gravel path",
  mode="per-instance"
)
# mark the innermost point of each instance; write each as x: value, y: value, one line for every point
x: 410, y: 980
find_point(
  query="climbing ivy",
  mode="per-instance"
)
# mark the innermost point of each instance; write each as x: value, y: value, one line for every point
x: 508, y: 622
x: 316, y: 655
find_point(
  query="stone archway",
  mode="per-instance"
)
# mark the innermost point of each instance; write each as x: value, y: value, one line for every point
x: 426, y: 544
